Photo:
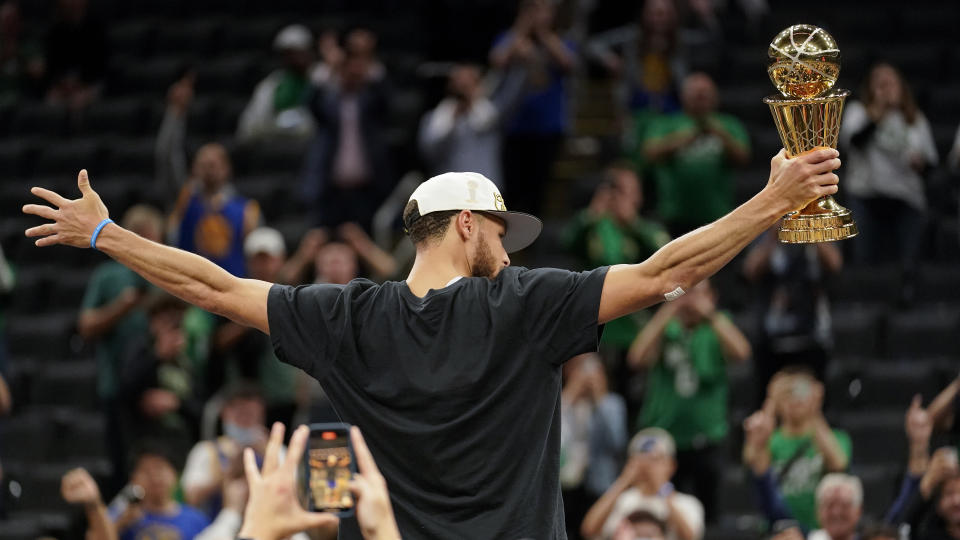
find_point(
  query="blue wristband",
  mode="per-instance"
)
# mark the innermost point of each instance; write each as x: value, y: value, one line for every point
x: 96, y: 232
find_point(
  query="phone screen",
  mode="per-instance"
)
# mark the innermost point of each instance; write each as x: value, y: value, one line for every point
x: 329, y: 470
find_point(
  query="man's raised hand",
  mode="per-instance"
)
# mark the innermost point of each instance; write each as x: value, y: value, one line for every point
x: 804, y: 178
x: 73, y: 220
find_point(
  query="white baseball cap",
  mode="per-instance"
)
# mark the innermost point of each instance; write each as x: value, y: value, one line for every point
x: 296, y: 37
x: 474, y: 191
x: 264, y: 240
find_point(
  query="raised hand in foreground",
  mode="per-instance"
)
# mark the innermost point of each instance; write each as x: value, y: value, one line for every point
x: 274, y: 510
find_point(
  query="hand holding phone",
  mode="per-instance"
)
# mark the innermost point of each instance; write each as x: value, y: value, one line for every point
x: 330, y: 467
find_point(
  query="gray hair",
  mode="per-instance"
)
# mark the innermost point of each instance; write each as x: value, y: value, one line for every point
x: 835, y: 480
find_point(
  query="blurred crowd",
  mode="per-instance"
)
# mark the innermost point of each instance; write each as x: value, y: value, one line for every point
x: 645, y: 427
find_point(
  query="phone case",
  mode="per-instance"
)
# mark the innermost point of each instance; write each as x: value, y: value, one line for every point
x: 332, y: 426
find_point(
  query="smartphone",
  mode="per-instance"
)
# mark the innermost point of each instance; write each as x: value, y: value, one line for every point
x: 329, y: 467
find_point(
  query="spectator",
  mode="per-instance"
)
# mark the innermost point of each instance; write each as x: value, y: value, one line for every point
x: 361, y: 42
x: 21, y: 61
x: 945, y: 407
x: 210, y: 463
x: 793, y: 323
x: 788, y: 462
x: 170, y: 158
x: 839, y: 507
x: 537, y: 130
x: 891, y: 148
x: 645, y: 484
x: 686, y: 347
x: 238, y: 352
x: 612, y: 231
x: 593, y: 434
x: 347, y: 171
x: 112, y: 317
x: 692, y: 155
x: 277, y: 107
x: 210, y: 218
x: 464, y: 131
x: 76, y: 55
x: 641, y: 525
x: 157, y: 514
x: 158, y: 391
x: 934, y: 510
x: 647, y: 59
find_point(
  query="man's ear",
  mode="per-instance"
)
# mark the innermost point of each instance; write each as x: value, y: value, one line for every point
x: 465, y: 222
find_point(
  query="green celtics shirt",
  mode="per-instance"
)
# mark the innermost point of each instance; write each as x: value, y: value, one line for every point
x: 687, y: 387
x: 602, y: 241
x: 695, y: 185
x: 106, y: 284
x: 799, y: 486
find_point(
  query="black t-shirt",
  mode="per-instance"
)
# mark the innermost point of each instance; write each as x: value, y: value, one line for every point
x: 457, y: 393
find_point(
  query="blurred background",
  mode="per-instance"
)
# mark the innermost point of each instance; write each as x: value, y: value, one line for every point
x: 282, y: 138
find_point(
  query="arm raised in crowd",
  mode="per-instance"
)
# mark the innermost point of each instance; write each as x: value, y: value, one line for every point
x: 185, y: 275
x: 684, y: 262
x: 78, y: 487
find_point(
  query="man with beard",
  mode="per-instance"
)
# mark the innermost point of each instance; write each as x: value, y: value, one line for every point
x: 453, y: 374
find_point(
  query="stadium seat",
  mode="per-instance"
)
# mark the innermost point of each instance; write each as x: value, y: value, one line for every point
x: 881, y: 386
x: 878, y: 438
x: 923, y: 332
x: 856, y: 328
x: 67, y: 383
x: 42, y: 335
x: 39, y: 119
x: 66, y: 157
x: 234, y: 75
x: 194, y: 39
x: 134, y: 156
x: 115, y: 117
x: 133, y: 37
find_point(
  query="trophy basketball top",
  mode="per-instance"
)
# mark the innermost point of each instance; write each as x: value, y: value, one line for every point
x: 804, y: 61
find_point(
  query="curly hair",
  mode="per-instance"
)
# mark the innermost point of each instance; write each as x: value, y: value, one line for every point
x: 431, y: 227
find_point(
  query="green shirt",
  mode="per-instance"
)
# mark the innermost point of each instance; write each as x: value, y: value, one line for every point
x: 602, y: 241
x: 687, y: 387
x: 695, y: 185
x: 106, y: 284
x: 800, y: 485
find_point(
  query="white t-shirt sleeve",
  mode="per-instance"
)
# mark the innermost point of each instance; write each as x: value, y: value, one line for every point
x: 691, y: 510
x: 199, y: 469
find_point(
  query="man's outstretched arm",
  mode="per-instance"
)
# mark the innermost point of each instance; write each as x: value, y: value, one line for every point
x: 186, y: 275
x: 681, y: 264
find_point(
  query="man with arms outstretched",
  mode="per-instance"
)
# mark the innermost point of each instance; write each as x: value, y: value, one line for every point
x: 453, y: 374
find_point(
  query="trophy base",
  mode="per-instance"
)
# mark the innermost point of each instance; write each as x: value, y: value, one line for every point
x: 823, y: 220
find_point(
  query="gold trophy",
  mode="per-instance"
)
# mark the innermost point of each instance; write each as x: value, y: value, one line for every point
x: 804, y: 64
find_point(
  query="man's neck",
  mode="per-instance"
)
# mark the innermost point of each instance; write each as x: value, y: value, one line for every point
x: 953, y: 529
x: 434, y: 269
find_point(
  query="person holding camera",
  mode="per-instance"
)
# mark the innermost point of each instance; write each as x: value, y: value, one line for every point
x: 692, y: 155
x: 645, y: 485
x: 789, y: 461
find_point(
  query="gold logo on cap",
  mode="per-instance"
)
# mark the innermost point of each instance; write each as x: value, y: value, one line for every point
x: 498, y: 202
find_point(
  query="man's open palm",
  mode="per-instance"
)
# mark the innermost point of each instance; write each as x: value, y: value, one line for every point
x: 73, y: 220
